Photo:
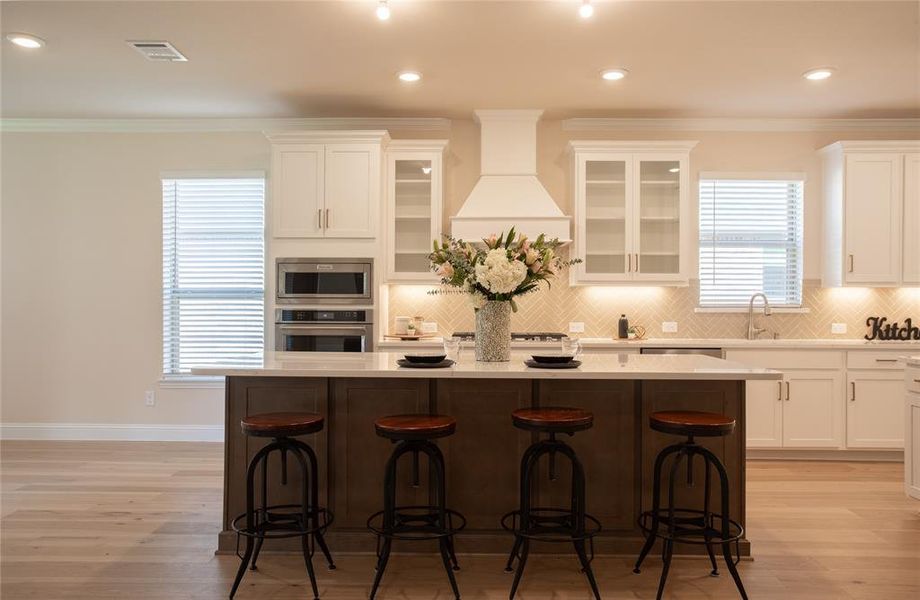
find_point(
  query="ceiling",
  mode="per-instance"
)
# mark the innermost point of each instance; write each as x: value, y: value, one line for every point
x: 312, y: 59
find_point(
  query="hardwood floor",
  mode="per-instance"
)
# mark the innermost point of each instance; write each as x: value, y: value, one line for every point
x: 106, y: 520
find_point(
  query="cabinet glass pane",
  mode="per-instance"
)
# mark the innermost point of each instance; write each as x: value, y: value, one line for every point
x: 412, y: 216
x: 659, y: 216
x: 605, y: 218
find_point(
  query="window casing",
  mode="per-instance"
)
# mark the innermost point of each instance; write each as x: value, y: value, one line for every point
x: 750, y: 239
x: 213, y: 272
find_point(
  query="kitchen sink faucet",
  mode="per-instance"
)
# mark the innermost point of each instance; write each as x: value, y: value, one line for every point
x: 753, y: 332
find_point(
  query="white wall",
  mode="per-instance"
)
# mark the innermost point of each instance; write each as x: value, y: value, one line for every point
x: 81, y: 273
x: 81, y: 227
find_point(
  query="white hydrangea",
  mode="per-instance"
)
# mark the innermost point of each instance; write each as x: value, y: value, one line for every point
x: 498, y: 274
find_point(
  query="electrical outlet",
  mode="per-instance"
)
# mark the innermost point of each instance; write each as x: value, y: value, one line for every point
x: 150, y: 398
x: 576, y: 327
x: 838, y: 328
x: 669, y: 327
x: 429, y: 327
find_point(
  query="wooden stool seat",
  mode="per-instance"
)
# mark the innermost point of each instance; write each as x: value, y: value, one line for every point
x: 415, y: 427
x: 286, y: 424
x: 552, y: 419
x: 691, y: 423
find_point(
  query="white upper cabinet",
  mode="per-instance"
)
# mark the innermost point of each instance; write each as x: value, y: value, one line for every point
x: 870, y: 213
x: 327, y: 184
x: 911, y: 231
x: 414, y: 189
x: 632, y: 212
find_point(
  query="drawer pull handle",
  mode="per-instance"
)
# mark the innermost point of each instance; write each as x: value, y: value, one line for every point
x: 853, y: 388
x: 886, y: 360
x: 850, y: 256
x: 916, y: 380
x: 780, y: 397
x: 787, y: 391
x: 319, y: 218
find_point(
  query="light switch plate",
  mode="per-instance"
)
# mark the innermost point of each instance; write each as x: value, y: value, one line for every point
x: 576, y: 327
x: 429, y: 327
x: 669, y: 327
x: 838, y: 328
x: 150, y: 398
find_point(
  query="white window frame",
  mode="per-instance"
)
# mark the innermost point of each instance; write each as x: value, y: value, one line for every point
x: 187, y: 380
x: 756, y: 176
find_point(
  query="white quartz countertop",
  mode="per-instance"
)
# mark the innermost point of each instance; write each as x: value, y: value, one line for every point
x: 594, y: 366
x: 613, y: 344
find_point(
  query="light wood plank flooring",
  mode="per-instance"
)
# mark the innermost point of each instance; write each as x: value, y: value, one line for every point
x: 103, y: 520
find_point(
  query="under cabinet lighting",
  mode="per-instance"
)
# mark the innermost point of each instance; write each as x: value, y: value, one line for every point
x: 818, y: 74
x: 410, y: 76
x: 614, y: 74
x: 25, y: 40
x: 586, y: 9
x: 674, y: 170
x: 383, y: 10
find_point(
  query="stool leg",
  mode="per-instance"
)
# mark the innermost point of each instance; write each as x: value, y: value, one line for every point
x: 308, y: 478
x: 509, y: 566
x: 579, y: 504
x: 314, y: 503
x: 586, y: 567
x: 525, y: 461
x: 258, y: 548
x: 707, y: 517
x: 525, y: 550
x: 436, y: 459
x: 656, y: 504
x: 667, y: 549
x: 250, y: 515
x: 389, y: 512
x: 381, y: 565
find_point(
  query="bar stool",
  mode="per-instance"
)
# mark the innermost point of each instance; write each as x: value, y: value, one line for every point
x: 413, y: 434
x: 684, y: 525
x: 306, y: 520
x: 551, y: 524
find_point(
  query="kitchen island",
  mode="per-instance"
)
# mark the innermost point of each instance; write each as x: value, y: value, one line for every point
x: 483, y: 457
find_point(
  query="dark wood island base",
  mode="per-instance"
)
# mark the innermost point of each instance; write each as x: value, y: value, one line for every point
x: 483, y: 456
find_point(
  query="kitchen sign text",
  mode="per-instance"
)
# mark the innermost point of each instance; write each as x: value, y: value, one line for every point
x: 881, y: 329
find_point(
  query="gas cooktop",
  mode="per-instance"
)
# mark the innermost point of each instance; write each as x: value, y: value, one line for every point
x: 518, y: 336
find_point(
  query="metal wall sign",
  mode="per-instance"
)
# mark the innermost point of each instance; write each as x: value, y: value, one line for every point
x: 881, y: 329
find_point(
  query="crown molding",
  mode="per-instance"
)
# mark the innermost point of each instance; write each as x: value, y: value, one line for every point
x: 221, y: 125
x: 635, y: 146
x: 721, y: 124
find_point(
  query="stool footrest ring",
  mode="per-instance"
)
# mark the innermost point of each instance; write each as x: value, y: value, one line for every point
x: 691, y: 527
x: 418, y: 522
x: 282, y: 521
x: 550, y: 525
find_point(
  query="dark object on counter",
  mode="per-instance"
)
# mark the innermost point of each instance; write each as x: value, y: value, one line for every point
x: 424, y: 365
x: 880, y: 329
x: 623, y: 327
x: 570, y: 524
x: 572, y: 364
x: 412, y: 435
x: 425, y: 358
x: 674, y: 524
x: 552, y: 358
x: 304, y: 520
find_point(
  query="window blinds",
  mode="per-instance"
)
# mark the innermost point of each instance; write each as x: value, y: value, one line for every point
x: 750, y: 241
x: 213, y: 272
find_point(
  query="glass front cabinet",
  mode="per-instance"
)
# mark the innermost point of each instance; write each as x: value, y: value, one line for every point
x: 414, y: 198
x: 632, y: 212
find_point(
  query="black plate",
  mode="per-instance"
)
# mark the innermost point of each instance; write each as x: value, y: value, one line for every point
x: 568, y: 365
x: 425, y: 358
x: 424, y: 365
x: 552, y: 358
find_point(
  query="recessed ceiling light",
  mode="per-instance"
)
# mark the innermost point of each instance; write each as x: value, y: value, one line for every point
x: 383, y: 10
x: 819, y: 73
x: 586, y: 9
x: 410, y: 76
x: 674, y: 170
x: 614, y: 74
x: 25, y: 40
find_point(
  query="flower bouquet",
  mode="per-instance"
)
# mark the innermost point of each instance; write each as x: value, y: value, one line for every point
x: 493, y: 276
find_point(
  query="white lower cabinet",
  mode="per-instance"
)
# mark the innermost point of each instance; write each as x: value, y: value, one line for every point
x: 764, y: 400
x: 875, y: 409
x: 813, y: 410
x: 912, y: 432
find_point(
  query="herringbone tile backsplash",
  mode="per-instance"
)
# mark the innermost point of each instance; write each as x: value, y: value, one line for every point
x: 600, y: 308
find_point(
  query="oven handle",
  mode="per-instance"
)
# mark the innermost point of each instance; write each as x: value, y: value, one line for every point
x: 284, y: 327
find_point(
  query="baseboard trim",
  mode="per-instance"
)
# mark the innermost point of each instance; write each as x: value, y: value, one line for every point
x: 111, y: 432
x: 894, y: 455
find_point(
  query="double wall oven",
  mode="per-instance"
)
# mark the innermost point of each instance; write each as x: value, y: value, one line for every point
x: 334, y: 305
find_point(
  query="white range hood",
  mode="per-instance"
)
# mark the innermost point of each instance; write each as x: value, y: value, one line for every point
x: 508, y: 193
